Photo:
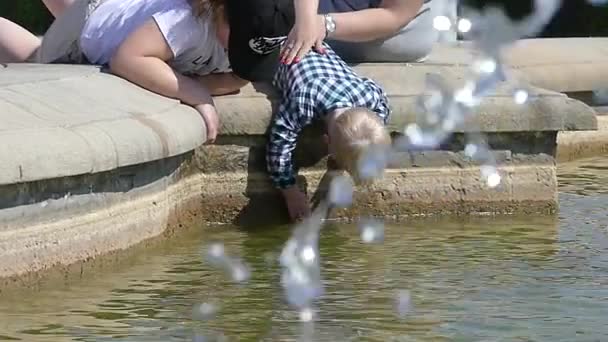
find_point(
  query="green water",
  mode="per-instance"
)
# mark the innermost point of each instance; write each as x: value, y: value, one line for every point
x: 483, y: 279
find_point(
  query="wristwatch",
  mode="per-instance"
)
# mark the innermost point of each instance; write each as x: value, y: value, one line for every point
x: 330, y: 25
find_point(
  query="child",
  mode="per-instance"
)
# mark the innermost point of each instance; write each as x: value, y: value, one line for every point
x: 175, y: 48
x: 323, y: 87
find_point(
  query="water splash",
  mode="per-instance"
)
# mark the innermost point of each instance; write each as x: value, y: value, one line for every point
x: 403, y: 303
x: 341, y: 191
x: 301, y: 267
x: 237, y: 270
x: 371, y: 231
x: 205, y: 311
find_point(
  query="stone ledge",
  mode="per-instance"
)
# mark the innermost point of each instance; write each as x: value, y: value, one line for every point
x: 558, y: 64
x: 250, y: 111
x: 577, y: 145
x: 249, y: 200
x: 65, y: 224
x: 58, y: 121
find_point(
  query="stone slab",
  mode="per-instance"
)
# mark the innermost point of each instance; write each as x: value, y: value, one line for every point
x: 249, y: 200
x: 58, y: 121
x: 250, y: 111
x: 558, y: 64
x: 577, y: 145
x: 68, y: 228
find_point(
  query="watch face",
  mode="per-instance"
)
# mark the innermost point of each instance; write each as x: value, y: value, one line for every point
x: 330, y: 25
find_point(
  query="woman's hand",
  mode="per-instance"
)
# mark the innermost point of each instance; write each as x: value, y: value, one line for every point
x: 212, y: 121
x: 308, y: 31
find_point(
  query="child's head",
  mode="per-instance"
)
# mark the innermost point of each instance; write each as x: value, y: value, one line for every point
x: 351, y: 133
x: 216, y: 9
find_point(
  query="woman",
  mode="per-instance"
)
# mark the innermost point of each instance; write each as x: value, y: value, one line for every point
x: 175, y: 48
x: 358, y: 30
x: 364, y: 30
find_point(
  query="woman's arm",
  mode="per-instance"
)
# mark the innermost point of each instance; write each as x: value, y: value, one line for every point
x: 141, y: 59
x: 56, y: 7
x: 375, y: 23
x: 357, y: 26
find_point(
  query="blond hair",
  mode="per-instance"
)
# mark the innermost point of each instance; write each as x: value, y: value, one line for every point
x: 204, y: 7
x: 355, y: 132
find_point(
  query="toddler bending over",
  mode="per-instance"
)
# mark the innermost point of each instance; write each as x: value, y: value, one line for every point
x: 323, y: 87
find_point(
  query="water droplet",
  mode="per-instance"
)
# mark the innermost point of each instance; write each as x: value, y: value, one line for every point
x: 520, y: 96
x: 373, y: 162
x: 486, y: 66
x: 309, y: 255
x: 306, y: 315
x: 205, y: 311
x: 448, y: 124
x: 464, y: 25
x: 491, y: 175
x: 341, y: 191
x: 235, y: 268
x: 442, y: 23
x: 470, y: 150
x: 403, y: 302
x: 216, y: 250
x: 240, y: 273
x: 372, y: 231
x: 493, y: 180
x: 465, y: 95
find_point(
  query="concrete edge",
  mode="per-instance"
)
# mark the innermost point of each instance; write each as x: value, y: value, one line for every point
x: 251, y: 114
x: 572, y: 146
x: 74, y: 238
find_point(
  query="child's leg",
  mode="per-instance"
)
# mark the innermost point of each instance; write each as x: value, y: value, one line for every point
x: 56, y: 7
x: 17, y: 44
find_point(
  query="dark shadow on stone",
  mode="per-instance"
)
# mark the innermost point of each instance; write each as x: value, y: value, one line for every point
x: 266, y: 206
x: 121, y: 180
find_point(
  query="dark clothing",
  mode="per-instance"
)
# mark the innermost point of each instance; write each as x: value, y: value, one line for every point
x: 339, y: 6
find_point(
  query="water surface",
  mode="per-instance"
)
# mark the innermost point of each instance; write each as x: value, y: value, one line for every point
x: 482, y: 279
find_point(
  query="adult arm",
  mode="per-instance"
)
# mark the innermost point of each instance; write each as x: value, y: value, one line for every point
x: 142, y: 59
x: 375, y: 23
x: 56, y: 7
x: 357, y: 26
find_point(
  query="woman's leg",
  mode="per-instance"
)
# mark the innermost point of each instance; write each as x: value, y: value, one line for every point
x: 56, y: 7
x: 412, y: 44
x: 17, y: 44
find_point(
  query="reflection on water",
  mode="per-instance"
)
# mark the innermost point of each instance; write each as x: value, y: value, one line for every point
x: 588, y: 177
x: 509, y: 279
